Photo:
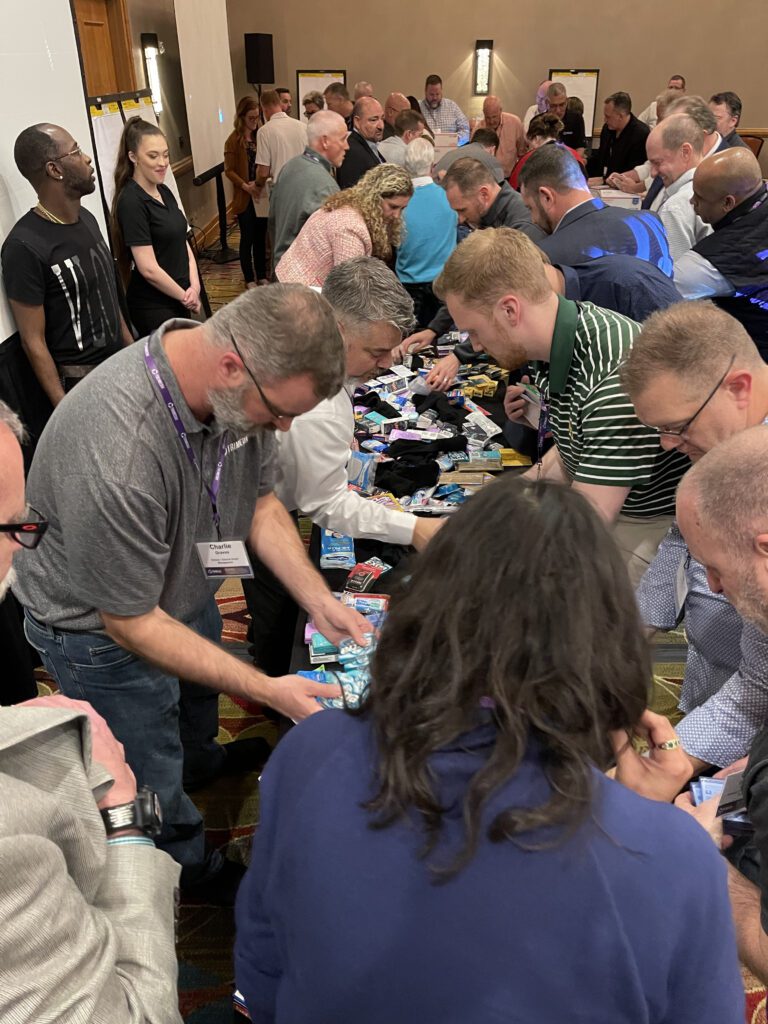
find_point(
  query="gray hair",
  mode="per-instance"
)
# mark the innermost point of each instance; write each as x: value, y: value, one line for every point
x: 9, y: 419
x: 361, y: 89
x: 283, y: 331
x: 364, y: 291
x: 322, y: 123
x: 697, y: 108
x: 314, y: 97
x: 419, y: 157
x: 730, y: 489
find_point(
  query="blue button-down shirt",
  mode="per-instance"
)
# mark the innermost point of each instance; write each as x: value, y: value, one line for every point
x: 725, y: 688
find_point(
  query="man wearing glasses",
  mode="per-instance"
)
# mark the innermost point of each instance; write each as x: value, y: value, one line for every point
x: 695, y: 376
x: 170, y: 454
x: 58, y: 272
x: 112, y: 898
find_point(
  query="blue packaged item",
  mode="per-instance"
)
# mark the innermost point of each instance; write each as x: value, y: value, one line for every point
x: 361, y: 468
x: 336, y: 551
x: 373, y: 446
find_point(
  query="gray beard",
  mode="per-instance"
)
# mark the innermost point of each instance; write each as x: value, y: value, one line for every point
x: 227, y: 406
x: 7, y: 582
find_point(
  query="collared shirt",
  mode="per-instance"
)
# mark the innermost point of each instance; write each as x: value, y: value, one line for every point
x: 512, y: 141
x: 594, y: 425
x: 127, y: 513
x: 683, y: 226
x: 304, y: 183
x: 280, y: 140
x: 725, y: 687
x: 447, y: 116
x: 312, y: 476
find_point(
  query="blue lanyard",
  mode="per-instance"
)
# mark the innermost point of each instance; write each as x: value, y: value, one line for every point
x: 165, y: 394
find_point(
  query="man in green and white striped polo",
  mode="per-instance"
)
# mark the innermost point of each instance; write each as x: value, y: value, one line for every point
x: 496, y: 289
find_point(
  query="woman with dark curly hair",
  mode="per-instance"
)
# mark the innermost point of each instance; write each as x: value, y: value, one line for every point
x: 453, y: 852
x: 360, y: 221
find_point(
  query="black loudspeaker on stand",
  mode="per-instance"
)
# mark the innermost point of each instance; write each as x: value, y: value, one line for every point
x: 259, y: 59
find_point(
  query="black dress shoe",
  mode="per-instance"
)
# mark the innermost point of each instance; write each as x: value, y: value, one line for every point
x: 240, y: 756
x: 249, y: 755
x: 219, y: 889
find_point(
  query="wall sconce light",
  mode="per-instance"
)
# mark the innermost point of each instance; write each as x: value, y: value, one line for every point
x: 151, y: 49
x: 482, y: 69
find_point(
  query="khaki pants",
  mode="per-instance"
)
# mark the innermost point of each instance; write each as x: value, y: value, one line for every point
x: 638, y: 541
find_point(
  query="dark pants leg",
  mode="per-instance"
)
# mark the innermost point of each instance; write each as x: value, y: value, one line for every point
x: 274, y: 614
x: 425, y: 303
x: 146, y: 320
x: 199, y: 714
x: 141, y: 706
x: 247, y: 223
x: 17, y: 670
x: 260, y: 248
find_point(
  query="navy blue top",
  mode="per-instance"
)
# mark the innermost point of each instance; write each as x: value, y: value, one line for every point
x: 627, y: 922
x: 626, y: 284
x: 592, y: 230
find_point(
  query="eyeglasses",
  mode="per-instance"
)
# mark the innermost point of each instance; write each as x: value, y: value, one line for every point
x: 682, y: 430
x: 29, y: 532
x: 77, y: 151
x: 274, y: 413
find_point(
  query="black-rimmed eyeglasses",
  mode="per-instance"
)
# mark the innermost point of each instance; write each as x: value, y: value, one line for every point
x: 684, y: 429
x: 29, y: 532
x: 273, y: 412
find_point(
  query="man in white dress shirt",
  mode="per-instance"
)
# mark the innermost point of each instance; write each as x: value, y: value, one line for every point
x: 674, y: 150
x: 374, y: 312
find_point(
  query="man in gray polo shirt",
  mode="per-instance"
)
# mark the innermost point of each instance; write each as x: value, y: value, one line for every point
x: 152, y: 474
x: 307, y: 180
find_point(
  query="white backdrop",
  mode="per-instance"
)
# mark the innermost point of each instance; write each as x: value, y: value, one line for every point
x: 584, y: 85
x: 39, y: 81
x: 206, y: 68
x: 315, y: 81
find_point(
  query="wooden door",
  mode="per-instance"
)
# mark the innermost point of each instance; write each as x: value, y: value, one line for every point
x: 105, y: 46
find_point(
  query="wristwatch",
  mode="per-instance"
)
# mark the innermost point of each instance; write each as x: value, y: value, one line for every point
x: 143, y: 814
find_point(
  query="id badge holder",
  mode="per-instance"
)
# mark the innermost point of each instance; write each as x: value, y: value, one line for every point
x: 224, y: 559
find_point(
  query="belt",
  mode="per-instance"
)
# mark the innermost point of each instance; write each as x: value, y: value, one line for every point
x: 77, y: 372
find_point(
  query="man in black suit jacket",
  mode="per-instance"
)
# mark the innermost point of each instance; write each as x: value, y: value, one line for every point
x: 363, y: 153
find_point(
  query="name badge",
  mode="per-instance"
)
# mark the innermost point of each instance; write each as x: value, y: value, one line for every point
x: 222, y: 559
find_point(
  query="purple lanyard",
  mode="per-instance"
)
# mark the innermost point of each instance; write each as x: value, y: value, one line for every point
x: 213, y: 490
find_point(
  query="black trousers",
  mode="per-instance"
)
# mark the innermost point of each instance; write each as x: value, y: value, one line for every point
x: 425, y: 303
x: 253, y: 244
x: 148, y: 319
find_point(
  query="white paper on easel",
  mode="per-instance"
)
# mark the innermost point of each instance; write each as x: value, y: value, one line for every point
x: 107, y: 122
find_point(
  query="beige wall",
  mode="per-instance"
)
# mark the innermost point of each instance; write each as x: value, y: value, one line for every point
x: 636, y: 48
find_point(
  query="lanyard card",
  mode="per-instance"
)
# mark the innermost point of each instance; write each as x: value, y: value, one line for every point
x: 224, y: 559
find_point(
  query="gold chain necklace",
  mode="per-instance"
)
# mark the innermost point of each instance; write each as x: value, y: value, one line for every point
x: 48, y: 215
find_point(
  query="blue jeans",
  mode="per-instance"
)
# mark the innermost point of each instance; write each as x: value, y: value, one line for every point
x: 157, y: 719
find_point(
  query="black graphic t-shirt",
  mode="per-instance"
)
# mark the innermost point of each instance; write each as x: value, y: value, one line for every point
x: 68, y: 270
